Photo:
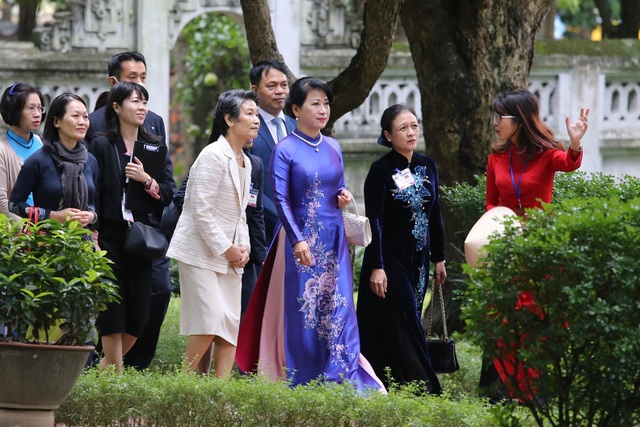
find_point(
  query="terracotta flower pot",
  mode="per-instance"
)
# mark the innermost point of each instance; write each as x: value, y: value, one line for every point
x: 36, y: 379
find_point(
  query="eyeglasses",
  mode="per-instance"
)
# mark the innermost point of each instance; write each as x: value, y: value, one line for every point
x: 497, y: 118
x: 34, y: 110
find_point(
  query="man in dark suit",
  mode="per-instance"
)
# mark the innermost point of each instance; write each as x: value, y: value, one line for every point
x: 255, y: 222
x: 269, y: 80
x: 132, y: 67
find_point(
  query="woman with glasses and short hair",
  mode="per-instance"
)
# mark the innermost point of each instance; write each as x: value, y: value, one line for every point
x: 22, y: 110
x: 62, y: 175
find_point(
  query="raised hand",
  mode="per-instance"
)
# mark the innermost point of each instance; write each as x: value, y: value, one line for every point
x: 577, y: 130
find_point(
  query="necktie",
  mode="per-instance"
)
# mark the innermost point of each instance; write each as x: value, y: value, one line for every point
x: 279, y: 131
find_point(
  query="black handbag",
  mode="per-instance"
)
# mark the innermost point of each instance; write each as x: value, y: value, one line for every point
x: 442, y: 352
x: 144, y: 241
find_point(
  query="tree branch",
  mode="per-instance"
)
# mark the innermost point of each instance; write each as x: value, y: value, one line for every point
x: 261, y: 39
x: 352, y: 86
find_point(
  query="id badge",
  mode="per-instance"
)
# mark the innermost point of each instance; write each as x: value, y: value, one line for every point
x: 126, y: 213
x: 404, y: 179
x: 253, y: 198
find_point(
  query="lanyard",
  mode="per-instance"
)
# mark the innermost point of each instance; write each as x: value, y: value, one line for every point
x: 516, y: 188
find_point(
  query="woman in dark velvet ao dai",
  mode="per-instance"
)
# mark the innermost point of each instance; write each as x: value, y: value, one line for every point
x: 402, y: 203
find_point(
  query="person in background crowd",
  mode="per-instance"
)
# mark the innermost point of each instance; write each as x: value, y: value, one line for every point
x: 22, y: 109
x: 520, y: 175
x: 301, y: 322
x: 269, y: 80
x: 132, y: 67
x: 255, y: 222
x: 124, y: 321
x: 211, y: 240
x: 402, y: 201
x: 62, y: 175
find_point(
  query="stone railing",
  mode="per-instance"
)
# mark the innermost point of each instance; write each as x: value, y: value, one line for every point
x: 54, y: 73
x: 563, y: 86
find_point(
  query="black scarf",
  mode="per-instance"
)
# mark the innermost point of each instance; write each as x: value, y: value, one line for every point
x: 71, y: 165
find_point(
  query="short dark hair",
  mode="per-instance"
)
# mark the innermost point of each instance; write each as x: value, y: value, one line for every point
x: 57, y: 110
x: 118, y: 94
x: 301, y: 88
x: 229, y: 103
x: 388, y: 116
x: 13, y: 101
x: 258, y: 70
x: 115, y: 63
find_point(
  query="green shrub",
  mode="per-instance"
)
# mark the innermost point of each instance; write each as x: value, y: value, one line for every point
x: 179, y: 399
x: 165, y: 396
x: 564, y: 289
x: 51, y: 278
x: 467, y: 200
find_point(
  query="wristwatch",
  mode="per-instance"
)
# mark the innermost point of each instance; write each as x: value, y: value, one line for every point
x: 147, y: 183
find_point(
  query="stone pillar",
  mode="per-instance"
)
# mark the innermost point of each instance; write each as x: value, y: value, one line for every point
x: 152, y: 40
x: 585, y: 83
x: 288, y: 20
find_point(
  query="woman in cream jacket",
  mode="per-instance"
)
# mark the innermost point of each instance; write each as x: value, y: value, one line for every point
x: 211, y: 240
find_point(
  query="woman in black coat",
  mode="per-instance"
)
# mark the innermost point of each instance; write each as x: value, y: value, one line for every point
x: 120, y: 174
x: 403, y: 205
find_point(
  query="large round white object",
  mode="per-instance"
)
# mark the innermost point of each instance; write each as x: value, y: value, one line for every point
x: 492, y: 221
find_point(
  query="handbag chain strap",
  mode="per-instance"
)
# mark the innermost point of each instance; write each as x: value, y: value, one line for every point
x: 355, y: 206
x: 434, y: 285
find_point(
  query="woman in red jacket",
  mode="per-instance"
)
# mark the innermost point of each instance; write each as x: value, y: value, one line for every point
x: 524, y: 161
x: 520, y: 174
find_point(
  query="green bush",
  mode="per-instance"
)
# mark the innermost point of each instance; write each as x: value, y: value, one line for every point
x: 166, y: 396
x: 467, y: 200
x: 177, y: 399
x: 563, y: 289
x: 51, y: 278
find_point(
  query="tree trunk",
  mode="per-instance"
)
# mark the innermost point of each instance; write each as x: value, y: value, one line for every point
x: 549, y: 24
x: 630, y: 25
x: 261, y: 39
x: 27, y: 18
x: 352, y: 86
x: 608, y: 30
x: 465, y: 53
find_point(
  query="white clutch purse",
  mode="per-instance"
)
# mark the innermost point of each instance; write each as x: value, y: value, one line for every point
x: 356, y: 227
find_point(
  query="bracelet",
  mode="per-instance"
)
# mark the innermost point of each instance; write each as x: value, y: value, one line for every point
x: 579, y: 148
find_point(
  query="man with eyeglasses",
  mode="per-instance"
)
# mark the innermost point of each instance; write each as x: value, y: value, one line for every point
x: 132, y: 67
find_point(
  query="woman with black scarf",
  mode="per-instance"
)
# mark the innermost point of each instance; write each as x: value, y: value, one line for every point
x: 62, y: 175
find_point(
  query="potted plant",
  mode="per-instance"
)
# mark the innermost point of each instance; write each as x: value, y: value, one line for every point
x: 53, y: 285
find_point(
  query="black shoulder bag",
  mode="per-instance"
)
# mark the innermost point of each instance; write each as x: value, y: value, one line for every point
x: 142, y: 240
x: 442, y: 352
